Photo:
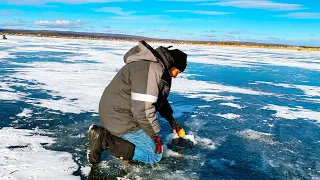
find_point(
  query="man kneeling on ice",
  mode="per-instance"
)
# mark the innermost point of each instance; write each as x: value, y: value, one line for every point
x: 128, y: 106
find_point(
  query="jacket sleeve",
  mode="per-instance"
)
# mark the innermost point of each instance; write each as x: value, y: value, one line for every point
x: 166, y: 111
x: 144, y: 94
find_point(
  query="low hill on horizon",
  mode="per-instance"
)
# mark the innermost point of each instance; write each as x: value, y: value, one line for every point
x: 111, y: 36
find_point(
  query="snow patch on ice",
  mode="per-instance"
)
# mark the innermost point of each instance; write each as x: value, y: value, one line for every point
x: 213, y: 60
x: 229, y: 116
x: 308, y: 90
x: 4, y: 86
x: 293, y: 113
x: 85, y: 170
x: 312, y: 100
x: 63, y: 105
x: 5, y: 55
x: 170, y: 153
x: 206, y: 142
x: 196, y: 87
x: 25, y: 113
x: 232, y: 105
x: 210, y: 97
x: 254, y: 135
x: 23, y: 157
x: 11, y: 96
x: 250, y: 57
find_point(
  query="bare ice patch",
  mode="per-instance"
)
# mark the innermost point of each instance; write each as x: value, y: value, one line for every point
x: 222, y: 163
x: 293, y: 113
x: 23, y: 157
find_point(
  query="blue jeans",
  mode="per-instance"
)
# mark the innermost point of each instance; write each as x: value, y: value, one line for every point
x: 145, y: 147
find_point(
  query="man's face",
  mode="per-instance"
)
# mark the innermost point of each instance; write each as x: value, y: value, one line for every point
x: 174, y: 72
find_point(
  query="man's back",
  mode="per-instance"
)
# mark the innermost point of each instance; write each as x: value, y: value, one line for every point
x: 115, y: 111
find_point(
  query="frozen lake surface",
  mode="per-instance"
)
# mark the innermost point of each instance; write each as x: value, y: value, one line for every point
x: 255, y: 113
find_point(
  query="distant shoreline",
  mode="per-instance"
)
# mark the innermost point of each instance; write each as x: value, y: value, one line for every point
x: 129, y: 38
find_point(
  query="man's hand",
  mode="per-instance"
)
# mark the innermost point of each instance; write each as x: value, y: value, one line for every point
x: 157, y: 141
x: 177, y: 128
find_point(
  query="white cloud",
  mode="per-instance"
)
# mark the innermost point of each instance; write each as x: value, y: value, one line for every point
x: 139, y: 19
x: 37, y: 2
x: 9, y: 12
x: 210, y: 12
x: 177, y: 11
x: 302, y: 15
x: 189, y: 0
x: 59, y: 23
x: 209, y: 35
x: 164, y: 30
x: 257, y: 4
x: 8, y: 24
x: 199, y: 12
x: 115, y: 10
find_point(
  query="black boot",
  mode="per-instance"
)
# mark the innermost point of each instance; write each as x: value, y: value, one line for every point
x: 96, y: 136
x: 101, y: 139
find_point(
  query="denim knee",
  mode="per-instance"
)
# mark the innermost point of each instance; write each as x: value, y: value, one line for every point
x: 155, y: 158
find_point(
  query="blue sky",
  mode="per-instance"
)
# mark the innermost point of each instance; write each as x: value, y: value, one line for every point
x: 272, y: 21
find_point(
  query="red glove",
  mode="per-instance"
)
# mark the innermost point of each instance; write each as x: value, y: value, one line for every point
x: 157, y: 141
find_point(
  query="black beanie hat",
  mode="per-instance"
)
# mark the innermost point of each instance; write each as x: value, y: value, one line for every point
x: 180, y: 59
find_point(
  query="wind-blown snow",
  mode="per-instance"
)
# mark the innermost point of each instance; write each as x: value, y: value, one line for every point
x: 81, y: 84
x: 207, y: 143
x: 5, y: 54
x: 208, y: 90
x: 23, y: 157
x: 255, y: 135
x: 293, y: 113
x: 6, y: 95
x: 229, y: 116
x: 308, y: 90
x: 5, y: 87
x: 232, y: 105
x: 249, y: 57
x: 25, y: 113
